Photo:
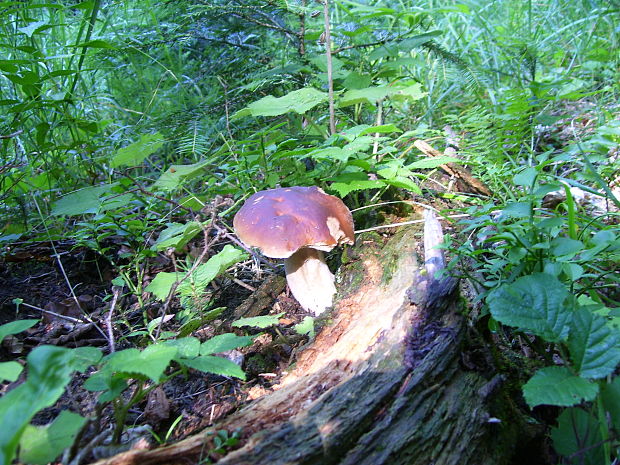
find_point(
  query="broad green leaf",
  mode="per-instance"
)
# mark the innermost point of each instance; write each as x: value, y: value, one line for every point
x: 330, y: 153
x: 566, y: 247
x: 97, y: 43
x: 193, y: 325
x: 594, y: 346
x: 14, y: 327
x: 42, y: 444
x: 404, y: 183
x: 578, y: 431
x: 162, y: 283
x: 177, y: 235
x: 207, y: 272
x: 259, y: 321
x: 432, y: 162
x: 10, y: 371
x: 49, y: 371
x: 223, y: 343
x: 216, y: 365
x: 305, y: 327
x: 412, y: 92
x: 187, y: 347
x: 526, y: 177
x: 369, y: 95
x: 356, y: 80
x: 558, y: 386
x: 298, y: 101
x: 83, y: 201
x: 135, y: 153
x: 344, y: 188
x: 176, y: 175
x: 538, y: 303
x: 151, y: 362
x: 385, y: 128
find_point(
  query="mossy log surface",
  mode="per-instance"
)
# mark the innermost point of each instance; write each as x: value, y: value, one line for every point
x: 383, y: 382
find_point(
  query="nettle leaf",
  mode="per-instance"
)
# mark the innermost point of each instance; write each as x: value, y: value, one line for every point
x: 15, y: 327
x: 151, y: 362
x: 162, y: 283
x: 594, y: 346
x: 298, y: 101
x: 176, y: 175
x: 558, y: 386
x: 176, y: 235
x: 42, y: 444
x: 259, y: 321
x: 538, y: 303
x: 207, y: 272
x: 187, y: 347
x: 135, y: 153
x: 370, y: 95
x: 216, y: 365
x: 83, y: 201
x: 223, y: 343
x: 344, y: 188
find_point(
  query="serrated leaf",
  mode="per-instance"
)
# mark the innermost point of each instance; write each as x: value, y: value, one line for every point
x: 176, y: 175
x: 135, y: 153
x: 207, y: 272
x: 42, y: 444
x: 558, y: 386
x: 259, y: 321
x: 187, y: 347
x: 83, y: 201
x: 15, y: 327
x: 223, y: 343
x: 432, y: 162
x: 330, y: 153
x: 578, y: 434
x: 10, y: 371
x: 162, y: 283
x: 298, y: 101
x: 594, y: 346
x: 216, y: 365
x: 538, y: 303
x: 344, y: 188
x: 370, y: 95
x: 177, y: 235
x: 151, y: 362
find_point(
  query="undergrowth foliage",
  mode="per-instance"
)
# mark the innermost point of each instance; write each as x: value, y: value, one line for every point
x: 136, y: 129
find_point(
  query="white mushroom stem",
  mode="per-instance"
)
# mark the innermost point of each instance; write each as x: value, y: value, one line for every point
x: 310, y: 280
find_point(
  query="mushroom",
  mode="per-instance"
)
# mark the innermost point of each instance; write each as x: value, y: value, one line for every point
x: 298, y: 224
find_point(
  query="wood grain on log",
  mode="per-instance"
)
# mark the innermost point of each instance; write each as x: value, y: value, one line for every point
x: 382, y: 383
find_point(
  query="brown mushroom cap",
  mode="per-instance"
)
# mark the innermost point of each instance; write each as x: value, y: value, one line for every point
x: 282, y: 221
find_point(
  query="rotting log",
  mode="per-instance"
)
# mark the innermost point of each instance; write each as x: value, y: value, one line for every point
x: 383, y: 382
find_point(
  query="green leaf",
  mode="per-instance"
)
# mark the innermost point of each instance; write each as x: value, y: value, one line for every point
x: 565, y: 247
x: 187, y: 347
x: 370, y: 95
x: 432, y: 162
x: 526, y: 177
x: 330, y: 153
x: 259, y: 321
x: 162, y: 283
x: 97, y: 43
x: 83, y: 201
x: 538, y: 303
x: 383, y: 129
x: 135, y: 153
x: 223, y: 343
x: 610, y: 395
x: 344, y: 188
x: 10, y: 371
x: 305, y: 327
x: 176, y: 175
x: 151, y: 362
x: 177, y: 235
x: 558, y: 386
x: 578, y: 431
x: 42, y: 444
x: 594, y: 346
x: 412, y: 92
x: 32, y: 28
x: 216, y: 365
x: 49, y: 371
x: 15, y: 327
x: 299, y: 101
x: 207, y: 272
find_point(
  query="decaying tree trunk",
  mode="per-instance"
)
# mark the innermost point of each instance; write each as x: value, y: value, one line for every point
x: 383, y: 383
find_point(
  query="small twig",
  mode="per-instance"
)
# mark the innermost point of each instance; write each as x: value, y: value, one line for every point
x: 239, y: 282
x: 330, y: 78
x: 58, y: 315
x: 116, y: 290
x: 395, y: 225
x: 13, y: 134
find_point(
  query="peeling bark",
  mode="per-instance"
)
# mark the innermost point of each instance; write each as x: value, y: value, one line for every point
x: 383, y: 382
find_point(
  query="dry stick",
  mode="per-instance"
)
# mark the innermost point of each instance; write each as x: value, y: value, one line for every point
x: 58, y: 315
x: 13, y: 134
x: 116, y: 290
x: 395, y: 225
x: 330, y: 79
